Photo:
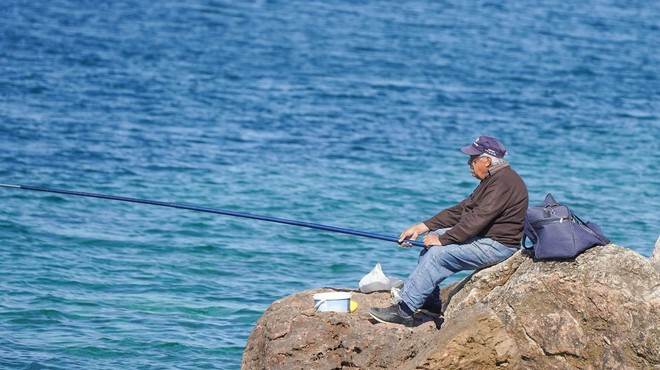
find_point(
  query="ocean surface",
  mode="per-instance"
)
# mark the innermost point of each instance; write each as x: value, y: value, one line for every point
x: 345, y: 113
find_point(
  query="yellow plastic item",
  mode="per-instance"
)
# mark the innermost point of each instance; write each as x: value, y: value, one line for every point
x: 354, y: 306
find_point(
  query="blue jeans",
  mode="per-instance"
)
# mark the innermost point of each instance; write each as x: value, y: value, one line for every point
x: 437, y: 263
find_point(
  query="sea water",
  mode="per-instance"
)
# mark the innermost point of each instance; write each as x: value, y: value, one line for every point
x: 346, y: 113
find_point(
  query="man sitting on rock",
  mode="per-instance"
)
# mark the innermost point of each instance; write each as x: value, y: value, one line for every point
x: 482, y: 230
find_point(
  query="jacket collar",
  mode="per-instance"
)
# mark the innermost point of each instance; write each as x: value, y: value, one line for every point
x: 494, y: 169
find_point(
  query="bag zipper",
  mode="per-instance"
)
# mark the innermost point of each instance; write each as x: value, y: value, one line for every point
x: 557, y: 220
x: 575, y: 220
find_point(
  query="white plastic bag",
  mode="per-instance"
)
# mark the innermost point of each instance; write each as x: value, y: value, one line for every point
x: 377, y: 281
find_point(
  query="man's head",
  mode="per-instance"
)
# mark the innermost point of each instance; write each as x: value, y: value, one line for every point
x: 484, y: 152
x: 485, y: 145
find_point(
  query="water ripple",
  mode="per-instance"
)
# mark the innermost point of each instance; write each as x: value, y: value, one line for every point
x: 342, y: 113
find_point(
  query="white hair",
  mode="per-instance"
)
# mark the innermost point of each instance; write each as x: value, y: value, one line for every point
x: 494, y: 161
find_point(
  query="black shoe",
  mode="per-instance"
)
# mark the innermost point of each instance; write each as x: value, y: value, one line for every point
x: 392, y: 314
x: 432, y: 307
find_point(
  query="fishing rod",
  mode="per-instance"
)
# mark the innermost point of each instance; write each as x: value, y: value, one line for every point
x: 218, y: 211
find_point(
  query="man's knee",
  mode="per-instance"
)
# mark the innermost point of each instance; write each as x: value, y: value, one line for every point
x: 438, y: 253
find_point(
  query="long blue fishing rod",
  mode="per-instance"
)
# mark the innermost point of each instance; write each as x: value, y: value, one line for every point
x: 216, y: 211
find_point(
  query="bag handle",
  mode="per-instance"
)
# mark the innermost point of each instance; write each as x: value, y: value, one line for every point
x: 549, y: 201
x: 523, y: 241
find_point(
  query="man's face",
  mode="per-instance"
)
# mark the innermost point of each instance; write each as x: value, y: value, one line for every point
x: 479, y: 166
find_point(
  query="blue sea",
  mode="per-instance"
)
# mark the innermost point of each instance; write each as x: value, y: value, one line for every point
x: 344, y: 113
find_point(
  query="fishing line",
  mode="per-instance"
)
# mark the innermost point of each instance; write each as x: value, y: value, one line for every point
x: 218, y: 211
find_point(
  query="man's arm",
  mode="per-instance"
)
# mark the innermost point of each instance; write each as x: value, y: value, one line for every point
x: 446, y: 218
x: 490, y: 206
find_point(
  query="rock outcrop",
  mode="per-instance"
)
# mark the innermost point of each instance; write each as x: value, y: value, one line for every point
x: 601, y: 310
x: 655, y: 256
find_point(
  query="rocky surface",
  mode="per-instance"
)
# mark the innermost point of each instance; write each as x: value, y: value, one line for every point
x: 655, y: 256
x: 601, y: 310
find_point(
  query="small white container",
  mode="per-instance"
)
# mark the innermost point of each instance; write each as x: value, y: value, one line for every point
x: 333, y: 301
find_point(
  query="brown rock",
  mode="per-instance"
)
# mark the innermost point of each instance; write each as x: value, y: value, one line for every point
x: 292, y: 335
x: 600, y: 310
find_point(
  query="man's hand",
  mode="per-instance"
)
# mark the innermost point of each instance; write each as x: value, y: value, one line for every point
x: 431, y: 240
x: 412, y: 233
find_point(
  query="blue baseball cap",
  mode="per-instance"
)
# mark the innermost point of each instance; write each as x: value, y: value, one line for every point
x: 487, y: 145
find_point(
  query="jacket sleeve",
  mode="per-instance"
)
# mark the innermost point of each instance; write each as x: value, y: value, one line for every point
x: 473, y: 221
x: 446, y: 218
